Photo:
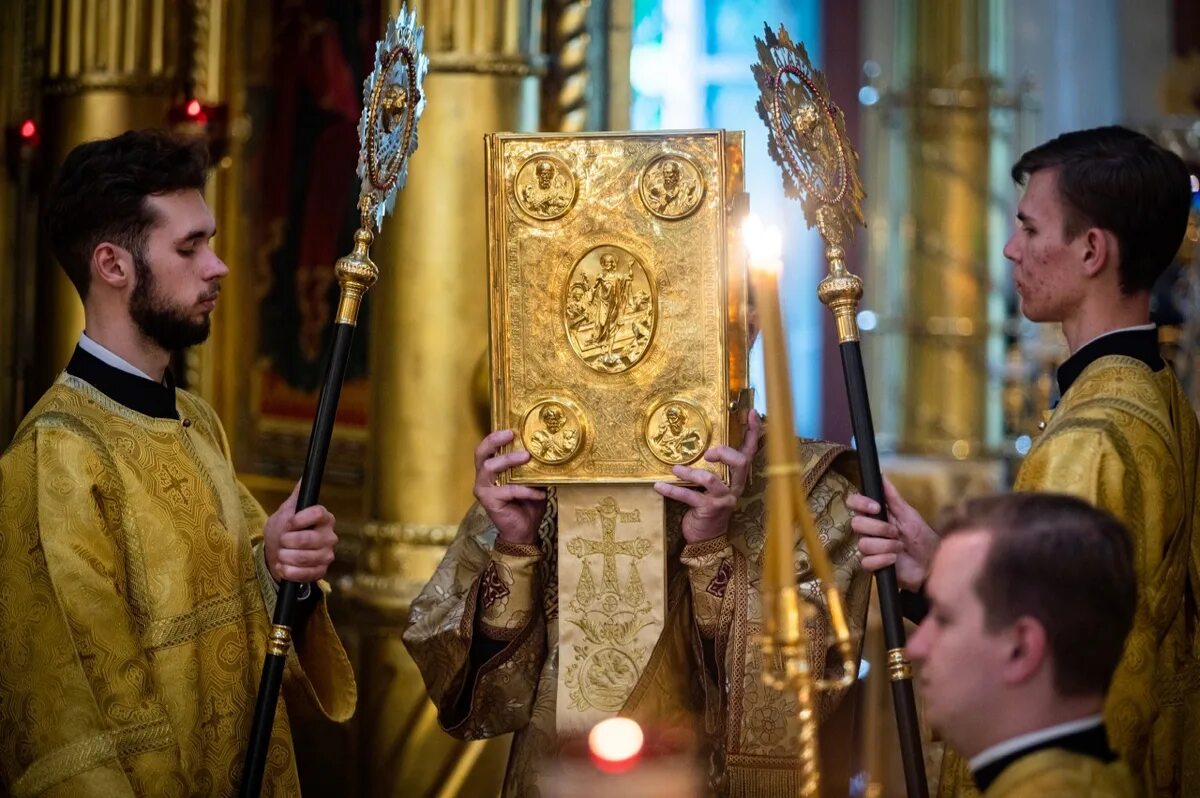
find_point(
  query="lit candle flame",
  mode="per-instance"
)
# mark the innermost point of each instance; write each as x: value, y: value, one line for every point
x: 764, y: 244
x: 616, y: 740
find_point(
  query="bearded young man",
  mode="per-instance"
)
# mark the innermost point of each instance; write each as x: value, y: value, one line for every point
x: 1102, y: 216
x: 138, y: 573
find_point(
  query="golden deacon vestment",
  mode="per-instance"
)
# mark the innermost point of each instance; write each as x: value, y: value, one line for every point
x: 1125, y: 438
x: 498, y: 602
x: 1056, y: 773
x: 134, y: 607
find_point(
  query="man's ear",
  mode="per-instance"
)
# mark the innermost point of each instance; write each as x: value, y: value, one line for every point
x: 112, y: 265
x: 1029, y: 651
x: 1097, y: 247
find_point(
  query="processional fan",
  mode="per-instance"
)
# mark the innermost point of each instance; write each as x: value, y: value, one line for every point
x: 807, y: 139
x: 387, y: 137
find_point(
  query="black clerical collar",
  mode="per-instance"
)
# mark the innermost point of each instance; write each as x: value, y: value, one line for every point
x: 1092, y: 741
x: 150, y: 398
x: 1138, y: 343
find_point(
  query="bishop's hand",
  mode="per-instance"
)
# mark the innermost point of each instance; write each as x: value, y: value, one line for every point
x: 713, y: 503
x: 516, y: 510
x: 904, y: 540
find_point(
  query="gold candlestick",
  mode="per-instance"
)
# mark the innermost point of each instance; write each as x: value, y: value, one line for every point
x: 786, y: 499
x: 785, y: 641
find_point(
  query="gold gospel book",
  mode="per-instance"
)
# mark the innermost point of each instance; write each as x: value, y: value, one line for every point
x: 617, y: 299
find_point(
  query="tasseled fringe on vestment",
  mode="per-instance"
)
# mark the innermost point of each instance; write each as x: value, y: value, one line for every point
x: 759, y: 782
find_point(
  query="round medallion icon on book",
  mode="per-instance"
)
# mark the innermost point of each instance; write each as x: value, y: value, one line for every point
x: 672, y: 187
x: 677, y: 431
x: 544, y: 187
x: 552, y: 432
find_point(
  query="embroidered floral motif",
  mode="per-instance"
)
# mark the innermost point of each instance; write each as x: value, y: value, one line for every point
x: 767, y: 721
x: 493, y: 592
x: 720, y: 580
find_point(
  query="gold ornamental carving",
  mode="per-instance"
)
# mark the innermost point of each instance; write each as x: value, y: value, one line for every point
x: 613, y: 282
x: 113, y: 45
x: 568, y: 92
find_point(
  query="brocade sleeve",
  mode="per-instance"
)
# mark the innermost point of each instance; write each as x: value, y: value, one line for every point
x: 709, y: 567
x: 478, y: 634
x: 79, y: 707
x: 1084, y: 459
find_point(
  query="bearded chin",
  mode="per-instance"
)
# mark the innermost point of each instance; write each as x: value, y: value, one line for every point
x: 167, y: 326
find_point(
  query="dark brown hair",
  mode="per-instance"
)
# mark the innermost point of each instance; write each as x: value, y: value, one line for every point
x: 1064, y: 563
x: 100, y: 194
x: 1120, y: 181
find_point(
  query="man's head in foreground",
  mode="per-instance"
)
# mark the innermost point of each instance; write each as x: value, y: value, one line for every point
x: 1031, y: 598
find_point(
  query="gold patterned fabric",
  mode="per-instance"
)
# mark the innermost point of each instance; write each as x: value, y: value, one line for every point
x: 1056, y: 773
x: 1125, y: 439
x: 134, y: 605
x: 485, y: 686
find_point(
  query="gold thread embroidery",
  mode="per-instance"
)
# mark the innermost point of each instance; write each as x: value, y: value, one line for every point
x: 83, y: 755
x: 518, y: 549
x: 210, y: 615
x: 605, y: 670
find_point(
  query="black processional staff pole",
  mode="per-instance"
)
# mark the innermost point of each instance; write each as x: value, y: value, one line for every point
x: 807, y: 138
x: 392, y: 104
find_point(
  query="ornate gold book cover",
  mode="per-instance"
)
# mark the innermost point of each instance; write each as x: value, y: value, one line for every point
x: 618, y: 333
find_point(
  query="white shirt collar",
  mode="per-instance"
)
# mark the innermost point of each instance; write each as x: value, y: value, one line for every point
x: 100, y: 352
x: 1136, y: 327
x: 1011, y: 746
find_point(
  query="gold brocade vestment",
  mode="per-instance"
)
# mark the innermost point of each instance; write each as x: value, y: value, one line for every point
x: 1125, y: 438
x: 504, y: 596
x: 1056, y: 773
x: 134, y: 607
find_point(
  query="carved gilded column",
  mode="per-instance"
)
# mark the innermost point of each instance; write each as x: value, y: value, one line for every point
x: 943, y: 133
x: 587, y: 84
x: 948, y: 279
x: 110, y: 66
x: 216, y: 55
x: 428, y: 370
x: 18, y: 43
